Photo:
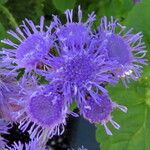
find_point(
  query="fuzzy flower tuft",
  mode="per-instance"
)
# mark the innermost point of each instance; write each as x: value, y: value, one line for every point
x: 77, y: 64
x: 73, y: 33
x: 126, y: 48
x: 33, y: 43
x: 101, y: 112
x: 79, y: 71
x: 44, y: 113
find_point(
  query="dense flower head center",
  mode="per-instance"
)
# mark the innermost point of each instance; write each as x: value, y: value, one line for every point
x: 46, y: 110
x: 97, y: 112
x: 32, y: 49
x: 119, y: 50
x: 79, y: 69
x: 73, y: 33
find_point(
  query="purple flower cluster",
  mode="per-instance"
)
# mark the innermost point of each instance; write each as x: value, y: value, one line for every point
x: 76, y: 63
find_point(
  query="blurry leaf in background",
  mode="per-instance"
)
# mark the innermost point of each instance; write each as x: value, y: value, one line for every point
x: 39, y: 6
x: 62, y: 5
x: 139, y: 19
x: 7, y: 15
x: 134, y: 133
x: 31, y: 9
x: 2, y: 33
x: 116, y: 8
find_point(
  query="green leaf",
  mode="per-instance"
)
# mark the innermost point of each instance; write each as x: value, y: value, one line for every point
x: 73, y: 106
x: 62, y: 5
x: 139, y: 17
x: 134, y: 133
x: 42, y: 80
x: 2, y: 33
x: 8, y: 15
x: 115, y: 8
x: 39, y: 5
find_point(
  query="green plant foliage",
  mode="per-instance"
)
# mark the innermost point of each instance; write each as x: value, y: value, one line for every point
x: 2, y: 32
x: 116, y: 8
x: 39, y: 5
x: 134, y: 131
x: 8, y: 15
x: 139, y: 19
x: 62, y: 5
x: 73, y: 106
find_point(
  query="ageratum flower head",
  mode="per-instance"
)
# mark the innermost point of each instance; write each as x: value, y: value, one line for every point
x: 126, y: 48
x: 32, y: 43
x: 44, y: 112
x: 101, y: 112
x: 79, y: 71
x: 73, y: 33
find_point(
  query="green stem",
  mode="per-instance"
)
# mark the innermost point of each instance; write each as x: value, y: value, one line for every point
x: 9, y: 16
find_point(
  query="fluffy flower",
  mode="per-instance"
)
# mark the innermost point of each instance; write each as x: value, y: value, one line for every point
x: 124, y: 47
x: 79, y: 71
x: 101, y: 112
x: 33, y: 42
x: 44, y: 112
x: 77, y: 63
x: 73, y: 33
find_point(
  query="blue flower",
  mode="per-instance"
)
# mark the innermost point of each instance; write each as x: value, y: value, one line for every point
x: 126, y: 48
x: 101, y: 112
x: 73, y: 33
x: 44, y: 112
x: 79, y: 71
x: 33, y: 42
x: 77, y: 63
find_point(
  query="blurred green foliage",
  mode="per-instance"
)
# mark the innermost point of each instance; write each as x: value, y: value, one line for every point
x: 135, y: 125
